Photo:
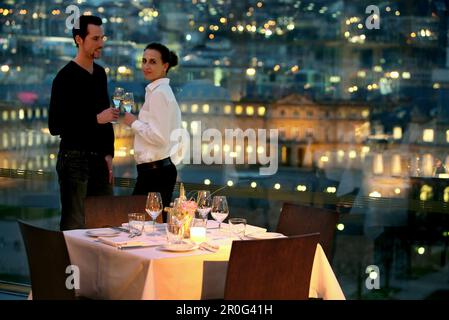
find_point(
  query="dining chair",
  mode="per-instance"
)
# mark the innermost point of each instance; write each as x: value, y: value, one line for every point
x: 48, y: 259
x: 297, y: 219
x: 271, y: 269
x: 104, y: 211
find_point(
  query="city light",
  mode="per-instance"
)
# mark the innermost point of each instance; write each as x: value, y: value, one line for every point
x: 340, y: 227
x: 253, y: 184
x: 206, y: 182
x: 394, y: 74
x: 123, y: 70
x: 230, y: 183
x: 238, y: 110
x: 428, y: 135
x: 331, y: 189
x: 251, y: 72
x: 375, y: 194
x: 334, y: 79
x: 277, y: 186
x: 301, y: 188
x: 421, y: 250
x: 4, y: 68
x: 397, y: 190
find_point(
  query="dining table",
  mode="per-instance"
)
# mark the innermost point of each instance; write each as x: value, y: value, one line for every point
x: 149, y: 269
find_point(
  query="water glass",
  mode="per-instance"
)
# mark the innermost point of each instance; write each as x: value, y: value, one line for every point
x: 174, y: 232
x: 237, y: 227
x: 136, y: 223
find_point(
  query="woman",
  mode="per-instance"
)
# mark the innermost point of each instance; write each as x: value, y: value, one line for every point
x: 158, y: 117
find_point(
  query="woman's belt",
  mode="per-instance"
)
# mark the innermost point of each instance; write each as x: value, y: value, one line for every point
x: 155, y: 164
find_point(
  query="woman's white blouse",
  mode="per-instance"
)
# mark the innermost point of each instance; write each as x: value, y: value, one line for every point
x: 158, y: 118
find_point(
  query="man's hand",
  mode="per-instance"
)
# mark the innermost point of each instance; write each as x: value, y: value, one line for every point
x: 129, y: 118
x: 108, y: 160
x: 108, y: 115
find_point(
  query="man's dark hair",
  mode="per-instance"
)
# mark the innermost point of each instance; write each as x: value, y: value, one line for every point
x: 84, y: 21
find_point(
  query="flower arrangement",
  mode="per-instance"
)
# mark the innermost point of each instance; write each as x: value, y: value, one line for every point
x: 184, y: 211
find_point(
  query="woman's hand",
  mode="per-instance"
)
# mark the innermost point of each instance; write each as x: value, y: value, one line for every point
x: 129, y: 118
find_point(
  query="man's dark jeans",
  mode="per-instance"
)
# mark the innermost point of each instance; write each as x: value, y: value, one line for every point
x: 80, y: 174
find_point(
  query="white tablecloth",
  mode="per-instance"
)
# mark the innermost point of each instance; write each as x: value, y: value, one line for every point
x: 150, y: 273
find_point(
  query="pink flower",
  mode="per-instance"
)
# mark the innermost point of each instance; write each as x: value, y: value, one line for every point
x: 189, y: 206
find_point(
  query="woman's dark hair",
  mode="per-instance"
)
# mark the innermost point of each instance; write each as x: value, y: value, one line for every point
x: 167, y: 56
x: 84, y: 21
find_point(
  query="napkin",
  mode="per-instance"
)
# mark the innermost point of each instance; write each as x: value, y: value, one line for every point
x: 253, y: 229
x: 125, y: 244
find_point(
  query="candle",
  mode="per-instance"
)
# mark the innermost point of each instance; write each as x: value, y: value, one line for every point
x: 198, y: 234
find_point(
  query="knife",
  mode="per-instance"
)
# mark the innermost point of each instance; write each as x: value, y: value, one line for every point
x: 137, y: 246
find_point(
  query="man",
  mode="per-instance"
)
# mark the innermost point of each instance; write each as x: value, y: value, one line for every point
x: 81, y: 115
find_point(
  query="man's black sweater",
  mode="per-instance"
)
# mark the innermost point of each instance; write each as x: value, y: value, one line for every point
x: 76, y: 98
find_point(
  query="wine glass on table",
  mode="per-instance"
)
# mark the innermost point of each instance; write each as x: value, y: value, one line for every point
x: 219, y: 209
x: 204, y: 202
x: 154, y: 206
